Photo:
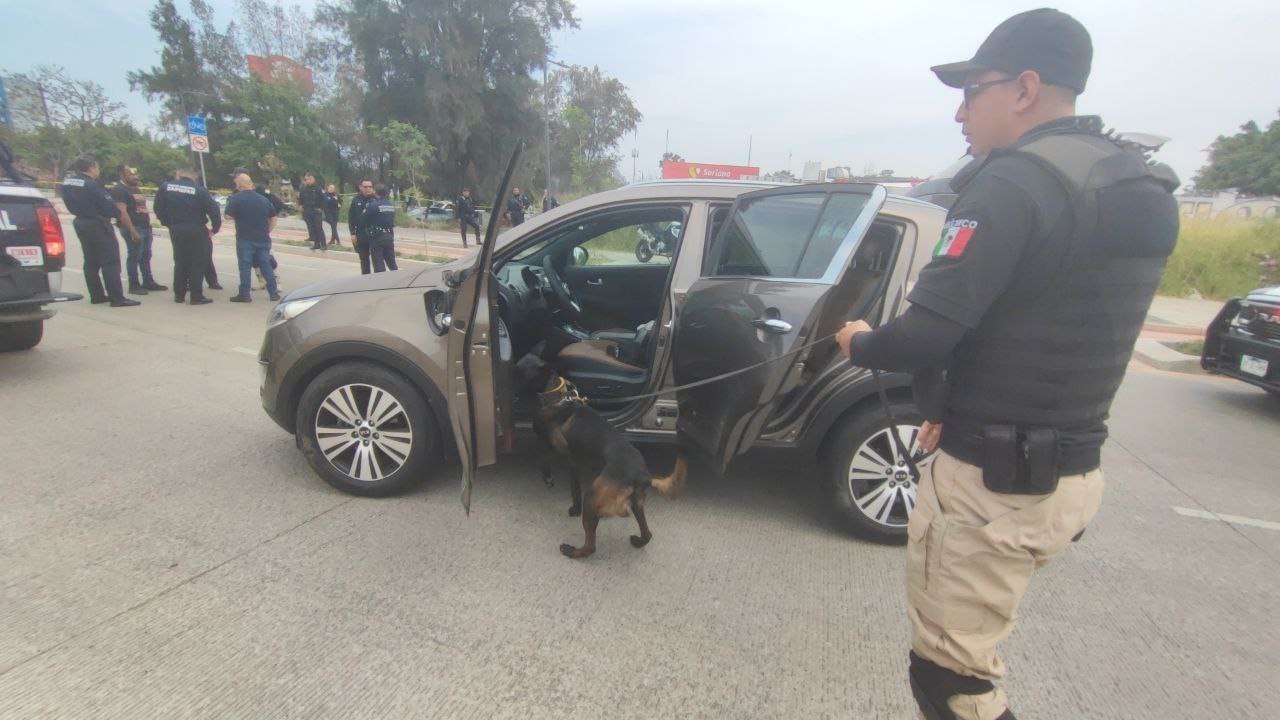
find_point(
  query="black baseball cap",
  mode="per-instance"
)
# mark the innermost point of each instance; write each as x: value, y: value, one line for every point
x: 1048, y: 41
x: 240, y: 171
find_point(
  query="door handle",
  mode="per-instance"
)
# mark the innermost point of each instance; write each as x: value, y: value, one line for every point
x: 773, y: 325
x: 596, y: 282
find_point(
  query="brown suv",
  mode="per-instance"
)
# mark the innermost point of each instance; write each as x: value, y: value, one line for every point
x: 379, y: 376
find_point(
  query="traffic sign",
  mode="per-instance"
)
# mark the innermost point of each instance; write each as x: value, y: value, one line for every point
x: 200, y: 143
x: 196, y: 126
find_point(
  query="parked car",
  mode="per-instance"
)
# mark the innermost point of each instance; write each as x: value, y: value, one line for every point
x: 378, y: 376
x: 1243, y: 341
x: 32, y: 254
x: 438, y: 210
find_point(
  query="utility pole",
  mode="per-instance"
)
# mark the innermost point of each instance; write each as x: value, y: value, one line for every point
x: 546, y: 111
x: 750, y: 139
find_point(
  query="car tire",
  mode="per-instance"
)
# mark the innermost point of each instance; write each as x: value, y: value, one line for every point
x: 864, y: 481
x: 20, y: 335
x: 366, y: 430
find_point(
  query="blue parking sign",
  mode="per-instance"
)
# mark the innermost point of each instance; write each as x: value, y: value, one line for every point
x: 196, y: 126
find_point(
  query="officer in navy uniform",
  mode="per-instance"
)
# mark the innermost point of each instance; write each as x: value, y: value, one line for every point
x: 379, y: 226
x: 193, y: 218
x: 515, y: 207
x: 355, y: 224
x: 467, y: 215
x: 311, y: 197
x: 94, y: 210
x: 1030, y: 309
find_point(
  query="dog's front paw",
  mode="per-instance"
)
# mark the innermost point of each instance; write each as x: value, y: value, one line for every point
x: 640, y: 541
x: 569, y: 551
x: 575, y: 511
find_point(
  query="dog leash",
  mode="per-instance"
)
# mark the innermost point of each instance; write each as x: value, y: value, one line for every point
x: 714, y: 379
x: 893, y: 426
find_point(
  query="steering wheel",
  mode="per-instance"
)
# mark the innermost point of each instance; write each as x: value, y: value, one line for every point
x: 560, y: 290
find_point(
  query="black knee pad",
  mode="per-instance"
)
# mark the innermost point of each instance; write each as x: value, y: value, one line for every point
x: 932, y: 684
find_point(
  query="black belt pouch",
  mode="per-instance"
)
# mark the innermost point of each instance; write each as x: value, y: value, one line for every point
x: 1019, y: 463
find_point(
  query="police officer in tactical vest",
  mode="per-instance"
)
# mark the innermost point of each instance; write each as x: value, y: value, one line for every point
x: 355, y: 224
x: 468, y: 216
x: 379, y: 227
x: 1030, y: 308
x: 193, y: 218
x: 94, y: 210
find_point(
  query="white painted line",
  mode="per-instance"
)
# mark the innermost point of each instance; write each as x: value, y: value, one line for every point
x: 1233, y: 519
x: 74, y: 270
x: 245, y: 351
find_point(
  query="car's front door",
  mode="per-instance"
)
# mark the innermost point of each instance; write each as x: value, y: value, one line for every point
x: 775, y: 281
x: 474, y: 346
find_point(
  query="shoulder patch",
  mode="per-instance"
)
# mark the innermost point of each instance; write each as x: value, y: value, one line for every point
x: 955, y: 237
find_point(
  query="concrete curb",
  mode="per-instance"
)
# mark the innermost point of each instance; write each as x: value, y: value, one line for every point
x: 1157, y: 354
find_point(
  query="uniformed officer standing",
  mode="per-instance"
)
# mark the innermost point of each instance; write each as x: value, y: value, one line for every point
x: 380, y: 227
x: 331, y: 207
x: 355, y: 224
x: 467, y: 215
x: 135, y: 225
x: 312, y: 200
x: 191, y: 214
x: 515, y: 207
x: 94, y: 210
x: 1036, y: 294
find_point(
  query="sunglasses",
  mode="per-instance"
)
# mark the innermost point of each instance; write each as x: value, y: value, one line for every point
x: 975, y: 89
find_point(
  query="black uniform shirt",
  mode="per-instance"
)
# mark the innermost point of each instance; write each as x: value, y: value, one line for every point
x: 355, y: 214
x: 466, y: 207
x: 1012, y: 216
x: 380, y: 216
x: 331, y: 206
x: 134, y: 203
x: 186, y: 202
x: 85, y: 198
x: 515, y: 207
x: 311, y: 197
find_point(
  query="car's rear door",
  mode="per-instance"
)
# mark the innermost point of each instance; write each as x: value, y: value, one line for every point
x: 775, y: 280
x: 474, y: 341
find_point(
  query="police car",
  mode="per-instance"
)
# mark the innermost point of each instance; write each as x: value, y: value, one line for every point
x: 1243, y: 341
x: 32, y: 253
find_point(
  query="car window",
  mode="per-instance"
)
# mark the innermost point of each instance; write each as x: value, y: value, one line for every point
x: 632, y: 236
x: 795, y: 235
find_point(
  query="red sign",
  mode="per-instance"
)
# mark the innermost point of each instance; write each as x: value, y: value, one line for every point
x: 279, y: 69
x: 705, y: 171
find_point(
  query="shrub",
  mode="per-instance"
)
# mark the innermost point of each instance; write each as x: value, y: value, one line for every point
x: 1219, y: 259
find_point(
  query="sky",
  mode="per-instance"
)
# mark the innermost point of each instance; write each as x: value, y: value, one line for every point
x: 781, y: 83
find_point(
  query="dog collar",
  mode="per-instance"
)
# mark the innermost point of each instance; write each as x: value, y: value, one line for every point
x: 566, y: 393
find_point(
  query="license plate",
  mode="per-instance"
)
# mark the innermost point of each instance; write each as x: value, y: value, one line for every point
x: 27, y: 256
x: 1253, y: 365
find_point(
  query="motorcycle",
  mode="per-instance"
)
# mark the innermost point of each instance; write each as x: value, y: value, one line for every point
x: 655, y: 240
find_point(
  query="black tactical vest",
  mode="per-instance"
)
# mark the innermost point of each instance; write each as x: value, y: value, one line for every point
x: 1052, y: 351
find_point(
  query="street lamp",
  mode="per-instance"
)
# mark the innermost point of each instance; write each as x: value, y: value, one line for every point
x: 546, y: 111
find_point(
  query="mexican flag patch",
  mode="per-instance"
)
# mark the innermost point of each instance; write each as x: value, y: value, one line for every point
x: 955, y: 237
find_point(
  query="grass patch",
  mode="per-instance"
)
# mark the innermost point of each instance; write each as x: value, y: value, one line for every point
x: 307, y: 244
x: 1219, y: 258
x: 437, y: 259
x: 1188, y: 347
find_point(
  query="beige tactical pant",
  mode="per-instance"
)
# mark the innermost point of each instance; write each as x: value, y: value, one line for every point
x: 970, y: 556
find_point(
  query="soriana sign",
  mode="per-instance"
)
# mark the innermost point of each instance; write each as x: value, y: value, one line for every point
x: 704, y: 171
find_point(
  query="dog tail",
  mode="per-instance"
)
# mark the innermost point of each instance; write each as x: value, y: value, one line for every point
x: 672, y: 485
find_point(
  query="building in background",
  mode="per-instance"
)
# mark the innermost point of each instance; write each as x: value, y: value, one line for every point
x: 280, y: 70
x: 1228, y: 205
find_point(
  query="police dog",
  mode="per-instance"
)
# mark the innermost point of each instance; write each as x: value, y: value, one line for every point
x: 614, y: 472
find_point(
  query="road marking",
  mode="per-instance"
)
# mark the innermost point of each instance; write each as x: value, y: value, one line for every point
x: 244, y: 351
x: 1232, y: 519
x: 74, y: 270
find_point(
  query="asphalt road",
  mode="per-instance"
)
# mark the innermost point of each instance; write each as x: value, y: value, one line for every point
x: 167, y: 553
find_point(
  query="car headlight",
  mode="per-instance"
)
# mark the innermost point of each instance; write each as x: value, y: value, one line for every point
x: 286, y: 311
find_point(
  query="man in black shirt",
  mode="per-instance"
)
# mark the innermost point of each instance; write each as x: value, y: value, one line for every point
x: 255, y: 219
x: 515, y: 207
x: 312, y: 201
x: 94, y: 210
x: 355, y: 224
x: 191, y: 214
x: 1036, y: 294
x: 332, y: 205
x: 135, y: 225
x: 467, y: 215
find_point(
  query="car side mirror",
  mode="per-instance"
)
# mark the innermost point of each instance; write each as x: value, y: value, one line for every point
x: 579, y: 256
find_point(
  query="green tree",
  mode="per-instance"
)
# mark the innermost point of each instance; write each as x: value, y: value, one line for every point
x: 275, y: 120
x: 409, y: 148
x: 1248, y: 161
x: 459, y: 71
x: 595, y: 113
x: 669, y: 157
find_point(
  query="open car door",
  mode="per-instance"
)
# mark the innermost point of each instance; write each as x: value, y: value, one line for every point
x: 780, y: 275
x: 474, y: 349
